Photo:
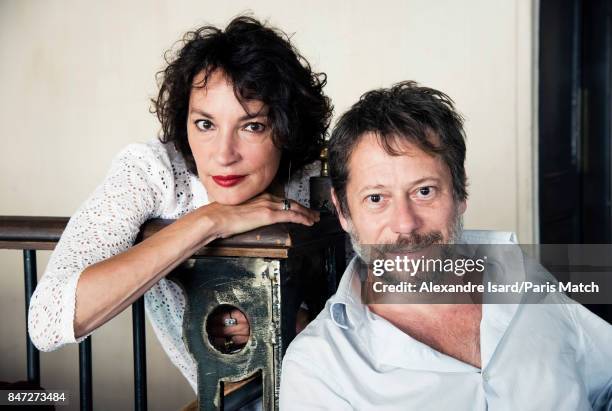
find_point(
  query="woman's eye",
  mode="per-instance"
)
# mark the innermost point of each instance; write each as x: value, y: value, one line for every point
x: 255, y: 127
x: 374, y: 198
x: 204, y: 125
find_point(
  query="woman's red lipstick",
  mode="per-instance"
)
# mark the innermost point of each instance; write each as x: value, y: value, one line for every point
x: 228, y: 181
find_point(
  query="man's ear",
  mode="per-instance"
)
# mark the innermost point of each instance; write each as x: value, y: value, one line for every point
x: 343, y: 221
x: 462, y: 207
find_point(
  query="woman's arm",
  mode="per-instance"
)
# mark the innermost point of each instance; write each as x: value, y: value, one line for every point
x: 108, y: 287
x: 94, y: 273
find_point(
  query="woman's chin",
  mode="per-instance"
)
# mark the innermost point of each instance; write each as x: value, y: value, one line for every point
x: 231, y: 197
x: 234, y: 194
x: 229, y: 201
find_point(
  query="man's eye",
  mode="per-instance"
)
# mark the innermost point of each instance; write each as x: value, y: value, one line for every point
x: 255, y: 127
x: 425, y: 192
x: 204, y: 125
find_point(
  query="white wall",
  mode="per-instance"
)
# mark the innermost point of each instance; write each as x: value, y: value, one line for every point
x: 76, y: 77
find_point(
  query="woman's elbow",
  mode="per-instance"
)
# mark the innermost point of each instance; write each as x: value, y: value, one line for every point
x: 42, y: 336
x: 44, y: 325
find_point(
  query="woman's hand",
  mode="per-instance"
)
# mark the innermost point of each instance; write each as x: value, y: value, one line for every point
x: 109, y: 286
x: 228, y: 337
x: 265, y: 209
x: 262, y: 210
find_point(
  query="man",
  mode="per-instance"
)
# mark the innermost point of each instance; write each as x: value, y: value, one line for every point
x: 397, y: 169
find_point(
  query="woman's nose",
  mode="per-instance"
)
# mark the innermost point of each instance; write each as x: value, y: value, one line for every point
x: 406, y: 219
x: 227, y: 147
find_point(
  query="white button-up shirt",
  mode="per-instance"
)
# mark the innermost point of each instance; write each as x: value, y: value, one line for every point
x: 552, y: 356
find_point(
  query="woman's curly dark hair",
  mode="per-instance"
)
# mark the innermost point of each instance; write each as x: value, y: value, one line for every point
x: 262, y: 64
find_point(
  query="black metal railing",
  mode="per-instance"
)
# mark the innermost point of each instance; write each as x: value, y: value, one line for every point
x: 39, y: 233
x: 140, y: 355
x: 29, y: 270
x: 279, y: 241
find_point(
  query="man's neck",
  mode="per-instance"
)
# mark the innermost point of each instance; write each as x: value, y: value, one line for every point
x: 452, y: 329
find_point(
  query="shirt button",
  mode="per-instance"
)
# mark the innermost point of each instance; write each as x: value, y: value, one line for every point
x: 485, y: 376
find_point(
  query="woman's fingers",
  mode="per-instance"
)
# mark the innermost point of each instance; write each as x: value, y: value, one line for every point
x: 230, y: 314
x: 269, y: 209
x: 295, y: 206
x: 228, y: 329
x: 278, y: 203
x: 227, y: 323
x: 296, y: 213
x: 260, y: 211
x: 290, y: 216
x: 223, y: 331
x: 230, y: 343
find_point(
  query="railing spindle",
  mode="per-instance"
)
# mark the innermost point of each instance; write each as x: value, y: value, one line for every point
x: 140, y: 355
x: 33, y: 356
x: 85, y: 375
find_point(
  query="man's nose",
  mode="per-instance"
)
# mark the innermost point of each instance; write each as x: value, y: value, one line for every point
x: 227, y: 147
x: 405, y: 219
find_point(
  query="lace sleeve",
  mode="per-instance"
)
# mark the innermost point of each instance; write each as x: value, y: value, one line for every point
x: 134, y: 190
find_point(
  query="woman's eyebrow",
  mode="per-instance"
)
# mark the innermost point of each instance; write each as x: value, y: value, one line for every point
x: 252, y: 116
x: 202, y: 113
x: 243, y: 118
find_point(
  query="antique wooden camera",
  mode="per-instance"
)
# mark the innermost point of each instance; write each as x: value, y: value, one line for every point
x: 268, y: 274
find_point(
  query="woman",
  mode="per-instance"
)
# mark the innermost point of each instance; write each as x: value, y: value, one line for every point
x: 239, y: 108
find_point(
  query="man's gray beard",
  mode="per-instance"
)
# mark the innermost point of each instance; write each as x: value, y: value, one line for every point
x: 367, y: 254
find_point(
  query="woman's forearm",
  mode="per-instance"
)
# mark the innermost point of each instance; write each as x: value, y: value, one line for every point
x: 109, y: 286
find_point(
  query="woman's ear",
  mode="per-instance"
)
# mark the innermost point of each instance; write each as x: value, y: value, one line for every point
x: 343, y: 220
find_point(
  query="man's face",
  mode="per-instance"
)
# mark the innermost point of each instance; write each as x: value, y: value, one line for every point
x: 405, y: 199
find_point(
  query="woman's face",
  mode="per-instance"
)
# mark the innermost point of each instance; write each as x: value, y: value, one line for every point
x: 232, y: 148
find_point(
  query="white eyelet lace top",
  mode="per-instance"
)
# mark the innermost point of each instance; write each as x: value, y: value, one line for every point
x: 146, y: 180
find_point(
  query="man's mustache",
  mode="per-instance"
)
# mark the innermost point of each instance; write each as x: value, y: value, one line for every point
x: 411, y: 243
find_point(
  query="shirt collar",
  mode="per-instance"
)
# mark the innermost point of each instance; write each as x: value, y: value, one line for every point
x: 346, y: 308
x: 346, y: 305
x: 348, y: 312
x: 388, y: 345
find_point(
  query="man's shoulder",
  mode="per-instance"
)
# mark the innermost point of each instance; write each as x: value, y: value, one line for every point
x: 488, y: 237
x: 317, y: 366
x: 313, y: 339
x: 320, y: 342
